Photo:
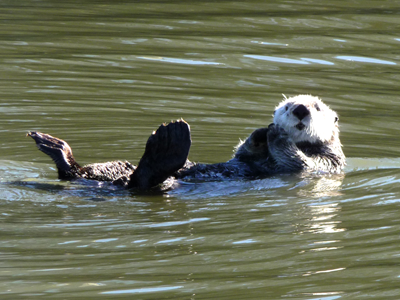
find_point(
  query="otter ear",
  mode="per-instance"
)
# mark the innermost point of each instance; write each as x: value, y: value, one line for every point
x: 274, y: 113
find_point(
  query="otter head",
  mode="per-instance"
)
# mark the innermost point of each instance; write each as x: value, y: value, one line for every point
x: 307, y: 119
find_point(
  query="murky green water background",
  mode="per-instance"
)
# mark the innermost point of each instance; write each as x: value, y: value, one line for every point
x: 103, y: 74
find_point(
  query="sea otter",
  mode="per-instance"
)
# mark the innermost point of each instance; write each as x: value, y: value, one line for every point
x: 304, y: 136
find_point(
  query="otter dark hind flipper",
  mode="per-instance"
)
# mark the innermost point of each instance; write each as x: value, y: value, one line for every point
x: 166, y: 152
x: 59, y: 151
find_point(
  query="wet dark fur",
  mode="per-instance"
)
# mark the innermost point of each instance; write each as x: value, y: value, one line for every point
x: 68, y: 168
x: 166, y: 152
x: 265, y: 152
x: 310, y: 142
x: 270, y: 151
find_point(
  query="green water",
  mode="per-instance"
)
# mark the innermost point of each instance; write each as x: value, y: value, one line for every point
x: 103, y: 75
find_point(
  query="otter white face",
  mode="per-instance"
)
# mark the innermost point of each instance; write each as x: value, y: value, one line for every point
x: 306, y: 119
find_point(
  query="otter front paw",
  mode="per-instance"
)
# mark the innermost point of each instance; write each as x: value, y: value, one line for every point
x: 279, y: 141
x: 284, y: 151
x: 276, y: 135
x: 255, y: 146
x: 259, y: 137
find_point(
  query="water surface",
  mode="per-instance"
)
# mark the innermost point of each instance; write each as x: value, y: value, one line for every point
x: 104, y: 74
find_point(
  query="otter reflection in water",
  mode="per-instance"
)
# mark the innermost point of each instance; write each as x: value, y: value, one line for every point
x: 303, y: 137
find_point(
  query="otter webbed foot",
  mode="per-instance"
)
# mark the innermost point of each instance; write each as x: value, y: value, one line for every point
x: 166, y: 152
x: 59, y: 151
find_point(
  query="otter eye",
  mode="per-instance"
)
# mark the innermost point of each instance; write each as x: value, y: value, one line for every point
x: 336, y: 119
x: 317, y: 107
x: 286, y: 108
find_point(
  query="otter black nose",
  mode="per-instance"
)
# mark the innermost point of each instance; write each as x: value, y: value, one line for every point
x: 301, y: 112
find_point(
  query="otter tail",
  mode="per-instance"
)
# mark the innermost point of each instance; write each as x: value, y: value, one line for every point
x: 59, y: 151
x: 166, y: 152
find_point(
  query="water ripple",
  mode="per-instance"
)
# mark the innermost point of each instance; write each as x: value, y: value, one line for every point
x: 143, y: 290
x: 179, y: 60
x: 366, y: 60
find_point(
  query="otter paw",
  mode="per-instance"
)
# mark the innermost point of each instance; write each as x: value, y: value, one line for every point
x: 166, y: 152
x: 275, y: 132
x: 259, y: 137
x: 276, y: 135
